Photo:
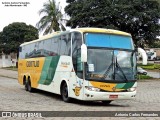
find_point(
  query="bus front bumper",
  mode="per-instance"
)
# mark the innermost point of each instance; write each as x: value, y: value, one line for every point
x: 98, y: 96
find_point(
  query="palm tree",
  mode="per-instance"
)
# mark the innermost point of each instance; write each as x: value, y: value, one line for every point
x: 52, y: 19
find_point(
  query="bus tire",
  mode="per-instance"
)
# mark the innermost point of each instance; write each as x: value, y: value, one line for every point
x: 30, y: 89
x: 64, y: 92
x: 107, y: 102
x: 26, y: 85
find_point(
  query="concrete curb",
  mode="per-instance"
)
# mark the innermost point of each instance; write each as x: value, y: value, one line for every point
x: 8, y: 73
x: 8, y: 77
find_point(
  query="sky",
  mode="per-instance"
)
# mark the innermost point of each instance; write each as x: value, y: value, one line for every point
x: 28, y: 14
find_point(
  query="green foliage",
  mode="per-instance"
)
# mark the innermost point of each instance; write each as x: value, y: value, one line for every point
x: 150, y: 66
x: 142, y: 77
x: 15, y: 34
x: 138, y: 17
x: 156, y: 66
x: 1, y: 43
x: 156, y: 44
x: 52, y: 18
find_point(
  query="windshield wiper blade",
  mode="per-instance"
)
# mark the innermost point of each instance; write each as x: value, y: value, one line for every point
x: 107, y: 71
x: 118, y: 66
x: 109, y: 68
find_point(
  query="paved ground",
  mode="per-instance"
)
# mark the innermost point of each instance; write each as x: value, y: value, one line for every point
x: 13, y: 97
x: 9, y: 73
x: 154, y: 74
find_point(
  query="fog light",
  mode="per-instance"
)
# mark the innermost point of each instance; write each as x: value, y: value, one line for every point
x: 91, y: 88
x: 87, y: 95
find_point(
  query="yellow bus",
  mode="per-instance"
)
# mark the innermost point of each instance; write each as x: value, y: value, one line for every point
x: 90, y: 64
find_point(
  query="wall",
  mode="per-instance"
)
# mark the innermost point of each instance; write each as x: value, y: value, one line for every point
x: 7, y: 61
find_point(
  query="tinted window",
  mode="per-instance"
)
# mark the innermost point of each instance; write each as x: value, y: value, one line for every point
x: 50, y: 47
x: 76, y: 45
x: 68, y: 46
x: 65, y: 44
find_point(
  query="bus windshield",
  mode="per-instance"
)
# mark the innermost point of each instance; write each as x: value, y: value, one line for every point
x: 110, y: 61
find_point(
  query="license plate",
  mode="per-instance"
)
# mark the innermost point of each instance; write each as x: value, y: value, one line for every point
x: 113, y: 96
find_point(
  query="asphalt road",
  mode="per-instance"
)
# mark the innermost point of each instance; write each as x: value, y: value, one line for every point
x: 13, y: 97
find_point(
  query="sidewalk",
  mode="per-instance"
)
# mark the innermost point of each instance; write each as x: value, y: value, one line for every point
x: 9, y: 73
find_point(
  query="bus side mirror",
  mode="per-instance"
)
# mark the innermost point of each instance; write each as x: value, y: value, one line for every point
x: 136, y: 50
x: 83, y: 53
x: 20, y: 49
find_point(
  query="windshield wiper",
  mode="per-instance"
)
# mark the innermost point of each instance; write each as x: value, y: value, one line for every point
x: 118, y: 66
x: 109, y: 68
x: 107, y: 71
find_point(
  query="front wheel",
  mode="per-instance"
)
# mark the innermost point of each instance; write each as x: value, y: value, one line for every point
x: 64, y: 93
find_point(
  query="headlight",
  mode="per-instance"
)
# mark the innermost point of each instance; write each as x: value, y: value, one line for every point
x: 91, y: 88
x: 131, y: 89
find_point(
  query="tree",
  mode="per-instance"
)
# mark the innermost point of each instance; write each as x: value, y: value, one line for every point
x: 156, y: 44
x: 15, y: 34
x: 52, y: 18
x: 1, y: 43
x: 138, y: 17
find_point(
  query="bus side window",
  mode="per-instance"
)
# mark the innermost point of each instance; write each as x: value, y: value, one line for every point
x: 76, y: 45
x: 54, y: 46
x: 68, y: 45
x: 59, y: 45
x: 46, y: 49
x: 63, y: 43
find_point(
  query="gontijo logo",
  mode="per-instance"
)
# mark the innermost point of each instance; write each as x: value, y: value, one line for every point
x: 32, y: 63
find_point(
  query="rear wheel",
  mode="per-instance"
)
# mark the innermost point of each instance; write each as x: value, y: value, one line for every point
x: 64, y: 93
x: 30, y: 89
x: 28, y: 85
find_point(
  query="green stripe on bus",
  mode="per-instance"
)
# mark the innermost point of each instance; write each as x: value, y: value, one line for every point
x: 48, y: 70
x: 128, y: 85
x: 119, y: 86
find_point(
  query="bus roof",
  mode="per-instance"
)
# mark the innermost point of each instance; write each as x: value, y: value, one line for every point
x: 82, y: 30
x: 102, y: 30
x: 41, y: 38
